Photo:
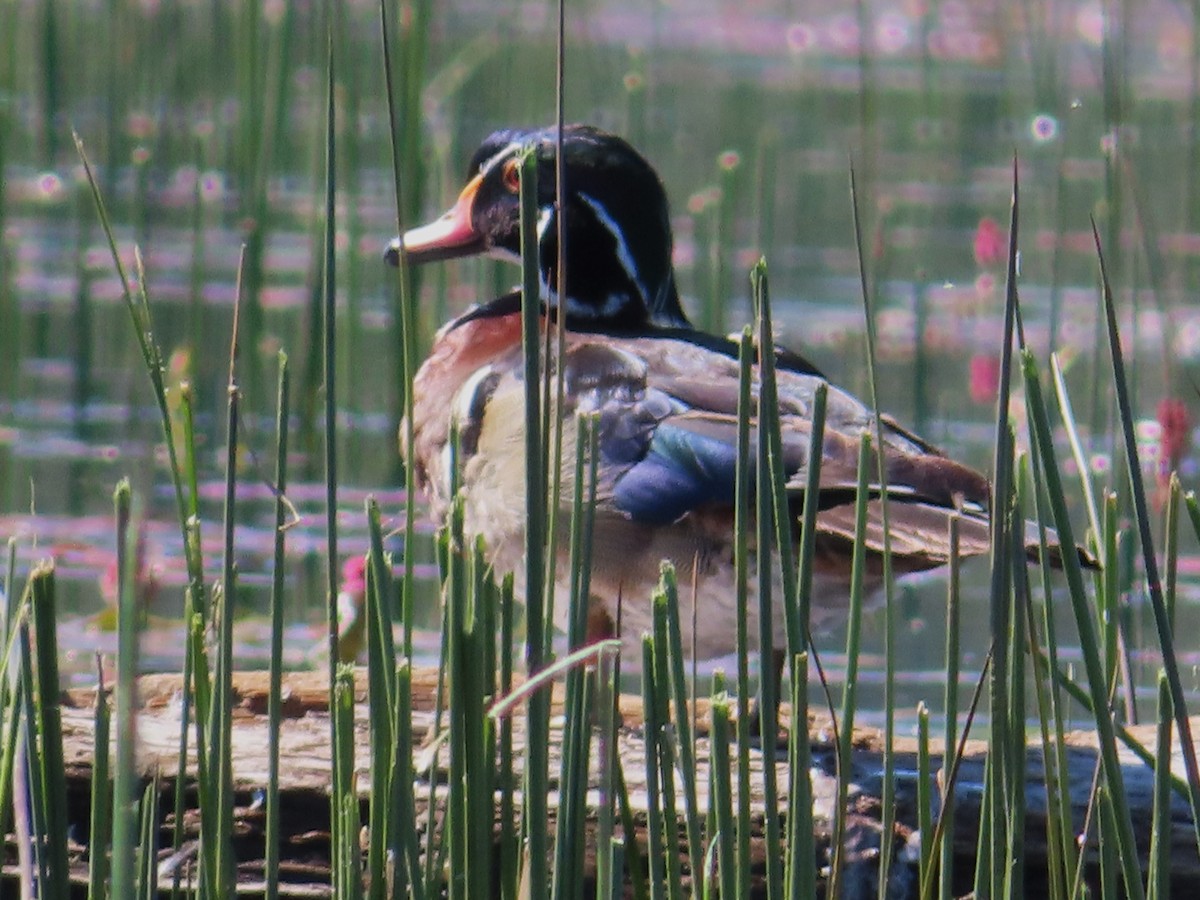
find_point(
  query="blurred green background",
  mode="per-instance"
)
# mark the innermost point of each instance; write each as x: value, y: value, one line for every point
x: 205, y: 122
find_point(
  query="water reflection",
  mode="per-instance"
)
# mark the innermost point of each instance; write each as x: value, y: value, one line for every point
x: 759, y: 108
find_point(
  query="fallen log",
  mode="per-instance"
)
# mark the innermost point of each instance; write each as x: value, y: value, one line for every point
x: 304, y: 782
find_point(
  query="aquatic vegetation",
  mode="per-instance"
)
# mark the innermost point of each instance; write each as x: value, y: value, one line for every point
x: 267, y: 127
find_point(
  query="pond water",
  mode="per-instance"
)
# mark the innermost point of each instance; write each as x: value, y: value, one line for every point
x: 752, y: 117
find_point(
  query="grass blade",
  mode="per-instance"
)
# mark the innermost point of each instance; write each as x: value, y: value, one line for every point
x: 1084, y: 624
x: 49, y: 761
x: 536, y: 631
x: 124, y: 829
x: 1162, y: 621
x: 100, y: 823
x: 888, y: 794
x: 853, y: 642
x: 1158, y: 878
x: 274, y: 696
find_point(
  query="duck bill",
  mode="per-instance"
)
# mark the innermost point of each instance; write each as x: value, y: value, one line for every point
x: 448, y: 237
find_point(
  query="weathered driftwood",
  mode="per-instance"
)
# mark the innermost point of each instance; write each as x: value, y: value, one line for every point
x: 305, y: 779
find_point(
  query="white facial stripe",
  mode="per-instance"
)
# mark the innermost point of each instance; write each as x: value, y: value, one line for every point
x: 614, y: 303
x: 507, y: 151
x: 623, y: 254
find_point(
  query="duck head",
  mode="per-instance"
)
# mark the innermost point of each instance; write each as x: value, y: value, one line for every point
x: 619, y: 274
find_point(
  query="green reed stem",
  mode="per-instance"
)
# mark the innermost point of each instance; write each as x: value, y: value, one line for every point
x: 221, y: 725
x: 100, y: 821
x: 194, y: 600
x: 770, y: 487
x: 532, y: 687
x: 554, y: 373
x: 801, y: 871
x: 10, y: 339
x: 510, y: 839
x: 656, y: 851
x: 205, y: 777
x: 628, y: 826
x: 1110, y: 864
x: 667, y: 596
x: 950, y: 781
x: 386, y: 761
x: 1162, y: 621
x: 49, y: 764
x: 1083, y: 621
x: 148, y: 841
x: 668, y: 746
x: 339, y: 789
x: 14, y: 612
x: 10, y: 763
x: 407, y: 857
x: 187, y: 509
x: 10, y: 596
x: 888, y: 794
x: 1058, y: 810
x: 124, y: 832
x: 986, y: 839
x: 1000, y: 591
x: 1129, y: 741
x: 344, y: 854
x: 1078, y: 453
x: 139, y: 314
x: 275, y: 690
x: 31, y: 814
x: 572, y: 814
x: 1015, y: 802
x: 721, y: 794
x: 1045, y: 663
x: 479, y: 680
x: 1158, y: 878
x: 609, y: 864
x: 924, y: 793
x: 950, y: 703
x: 535, y: 514
x: 1109, y: 590
x: 1171, y: 547
x: 853, y: 641
x: 741, y: 560
x: 802, y: 875
x: 406, y: 180
x: 455, y: 829
x: 435, y: 853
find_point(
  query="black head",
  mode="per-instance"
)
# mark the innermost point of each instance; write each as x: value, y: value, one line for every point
x: 618, y: 229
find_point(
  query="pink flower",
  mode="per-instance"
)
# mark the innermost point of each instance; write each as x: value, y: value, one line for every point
x: 984, y: 378
x: 990, y: 245
x: 354, y: 575
x: 1176, y: 424
x: 145, y: 577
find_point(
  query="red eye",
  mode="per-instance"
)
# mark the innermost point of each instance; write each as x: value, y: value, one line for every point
x: 511, y: 176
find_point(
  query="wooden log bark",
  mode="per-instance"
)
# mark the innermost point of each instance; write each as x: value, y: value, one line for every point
x: 305, y: 780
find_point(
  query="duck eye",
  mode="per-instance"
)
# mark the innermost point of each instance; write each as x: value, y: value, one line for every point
x: 511, y: 176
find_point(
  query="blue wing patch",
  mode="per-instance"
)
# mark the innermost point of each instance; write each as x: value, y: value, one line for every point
x: 681, y: 471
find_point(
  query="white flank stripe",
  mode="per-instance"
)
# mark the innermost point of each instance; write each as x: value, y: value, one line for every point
x: 623, y: 254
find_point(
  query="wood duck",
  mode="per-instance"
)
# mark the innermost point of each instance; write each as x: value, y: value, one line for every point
x: 666, y: 399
